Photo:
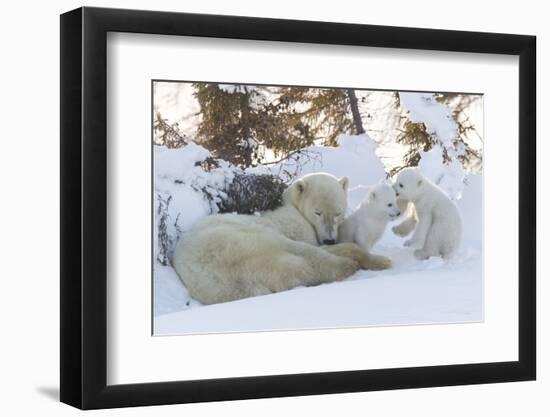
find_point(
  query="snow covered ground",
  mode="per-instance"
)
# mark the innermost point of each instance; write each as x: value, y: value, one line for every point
x: 412, y: 292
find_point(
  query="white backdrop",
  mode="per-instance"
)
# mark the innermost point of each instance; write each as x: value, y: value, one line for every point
x: 29, y: 213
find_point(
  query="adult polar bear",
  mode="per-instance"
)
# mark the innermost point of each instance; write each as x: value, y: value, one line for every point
x: 227, y: 257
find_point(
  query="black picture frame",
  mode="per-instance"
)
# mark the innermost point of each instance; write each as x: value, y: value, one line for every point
x: 84, y: 207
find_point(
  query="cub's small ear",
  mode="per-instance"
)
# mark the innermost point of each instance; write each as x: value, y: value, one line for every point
x: 344, y: 182
x: 372, y: 196
x: 293, y: 193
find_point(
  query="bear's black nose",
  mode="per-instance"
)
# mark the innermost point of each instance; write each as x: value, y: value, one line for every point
x: 329, y: 242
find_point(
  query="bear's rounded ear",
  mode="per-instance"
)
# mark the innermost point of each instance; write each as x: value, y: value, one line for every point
x: 293, y: 193
x: 300, y: 186
x: 372, y: 196
x: 344, y: 182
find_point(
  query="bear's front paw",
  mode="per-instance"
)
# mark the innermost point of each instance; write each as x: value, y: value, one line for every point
x: 409, y: 243
x: 420, y: 254
x: 399, y: 230
x: 378, y: 263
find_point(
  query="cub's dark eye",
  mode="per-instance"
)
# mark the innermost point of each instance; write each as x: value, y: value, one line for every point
x: 390, y: 204
x: 318, y: 213
x: 401, y: 185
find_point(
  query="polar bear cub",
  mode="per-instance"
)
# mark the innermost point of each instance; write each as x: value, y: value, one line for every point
x: 367, y: 223
x: 439, y: 228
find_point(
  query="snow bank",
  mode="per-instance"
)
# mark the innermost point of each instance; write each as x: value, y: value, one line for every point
x: 178, y: 163
x: 450, y: 177
x: 439, y: 122
x: 175, y: 173
x: 424, y: 108
x: 180, y: 189
x: 354, y: 157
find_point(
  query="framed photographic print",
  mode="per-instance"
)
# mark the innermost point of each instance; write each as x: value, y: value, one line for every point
x: 257, y: 208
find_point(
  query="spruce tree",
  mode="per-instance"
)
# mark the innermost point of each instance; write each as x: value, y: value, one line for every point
x: 416, y: 137
x: 227, y: 124
x: 329, y: 112
x: 239, y: 121
x: 458, y: 103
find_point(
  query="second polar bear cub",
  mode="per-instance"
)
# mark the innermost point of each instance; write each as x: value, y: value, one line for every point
x: 439, y: 228
x: 367, y: 223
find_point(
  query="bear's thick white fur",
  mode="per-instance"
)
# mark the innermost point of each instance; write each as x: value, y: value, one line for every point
x: 367, y: 223
x: 230, y: 256
x: 439, y: 228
